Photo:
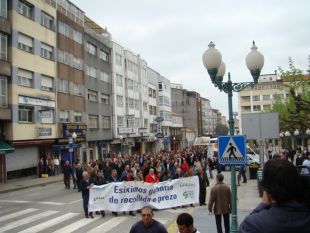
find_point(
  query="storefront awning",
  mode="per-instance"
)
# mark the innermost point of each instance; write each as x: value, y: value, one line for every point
x: 5, y: 148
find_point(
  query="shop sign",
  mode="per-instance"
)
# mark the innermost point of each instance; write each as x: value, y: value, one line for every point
x: 42, y: 132
x: 79, y: 129
x: 36, y: 101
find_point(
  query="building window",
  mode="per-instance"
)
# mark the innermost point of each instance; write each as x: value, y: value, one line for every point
x: 77, y: 36
x: 63, y: 57
x: 93, y: 96
x: 63, y: 85
x: 266, y: 97
x: 130, y: 84
x: 64, y: 116
x: 47, y: 20
x: 256, y: 108
x: 119, y: 100
x: 25, y: 43
x: 93, y: 121
x: 146, y: 122
x: 3, y: 46
x: 118, y: 59
x: 78, y: 117
x: 25, y: 78
x: 154, y: 94
x: 46, y: 83
x: 120, y: 121
x: 145, y: 106
x: 150, y: 92
x: 106, y: 122
x: 245, y: 98
x: 256, y: 98
x: 91, y: 71
x: 3, y: 8
x: 77, y: 63
x: 46, y: 51
x: 25, y: 9
x: 63, y: 29
x: 266, y: 107
x: 78, y: 89
x: 104, y: 55
x: 119, y: 80
x: 278, y: 96
x: 91, y: 48
x: 25, y: 114
x: 104, y: 77
x: 105, y: 99
x: 3, y: 92
x: 160, y: 86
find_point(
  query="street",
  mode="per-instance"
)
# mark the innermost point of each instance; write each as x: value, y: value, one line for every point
x: 51, y: 208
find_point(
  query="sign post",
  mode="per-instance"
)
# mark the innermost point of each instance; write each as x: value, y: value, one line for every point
x: 232, y: 150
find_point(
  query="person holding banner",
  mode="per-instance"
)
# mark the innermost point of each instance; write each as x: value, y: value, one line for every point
x: 151, y: 177
x: 148, y: 224
x: 85, y: 185
x: 114, y: 178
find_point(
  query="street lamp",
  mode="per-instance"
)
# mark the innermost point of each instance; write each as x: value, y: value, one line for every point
x: 74, y: 136
x: 212, y: 60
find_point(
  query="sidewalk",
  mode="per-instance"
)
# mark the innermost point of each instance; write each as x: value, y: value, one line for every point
x: 28, y: 182
x: 247, y: 199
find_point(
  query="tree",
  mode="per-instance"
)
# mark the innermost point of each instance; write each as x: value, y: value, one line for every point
x: 295, y: 112
x: 221, y: 130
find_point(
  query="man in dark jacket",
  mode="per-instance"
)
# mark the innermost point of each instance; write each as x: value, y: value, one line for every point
x: 283, y: 208
x: 86, y: 184
x: 67, y: 170
x: 79, y: 175
x: 203, y: 183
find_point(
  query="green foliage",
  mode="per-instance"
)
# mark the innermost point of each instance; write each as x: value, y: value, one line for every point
x: 295, y: 112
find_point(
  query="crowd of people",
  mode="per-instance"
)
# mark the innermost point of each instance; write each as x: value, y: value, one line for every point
x: 168, y: 165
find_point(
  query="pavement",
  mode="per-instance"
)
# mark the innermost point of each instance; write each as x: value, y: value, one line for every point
x: 247, y: 199
x: 28, y: 182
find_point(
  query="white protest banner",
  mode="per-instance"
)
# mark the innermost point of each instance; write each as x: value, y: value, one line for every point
x: 133, y: 195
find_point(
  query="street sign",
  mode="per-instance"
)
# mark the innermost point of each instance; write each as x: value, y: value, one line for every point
x: 232, y: 150
x: 159, y: 135
x: 159, y: 119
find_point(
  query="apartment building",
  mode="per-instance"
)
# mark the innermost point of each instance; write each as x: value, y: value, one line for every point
x: 131, y: 100
x: 98, y: 90
x: 178, y: 134
x: 206, y: 113
x: 71, y: 116
x: 5, y: 79
x: 261, y: 97
x: 164, y: 108
x: 31, y: 88
x: 188, y: 104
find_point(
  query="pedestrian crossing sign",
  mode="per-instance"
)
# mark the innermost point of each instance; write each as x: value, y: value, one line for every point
x: 232, y: 150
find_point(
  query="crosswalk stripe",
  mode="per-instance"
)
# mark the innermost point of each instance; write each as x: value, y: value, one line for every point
x: 107, y: 226
x: 49, y: 223
x: 16, y: 214
x: 75, y: 226
x: 26, y: 220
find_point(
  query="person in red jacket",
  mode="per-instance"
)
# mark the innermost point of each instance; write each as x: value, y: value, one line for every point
x: 151, y: 177
x: 184, y: 166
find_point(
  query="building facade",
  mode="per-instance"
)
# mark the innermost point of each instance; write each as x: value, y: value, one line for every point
x: 32, y: 90
x: 98, y: 89
x: 71, y: 111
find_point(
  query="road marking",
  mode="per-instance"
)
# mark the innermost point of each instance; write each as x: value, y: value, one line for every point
x: 34, y: 202
x: 47, y: 224
x: 75, y: 226
x: 27, y: 220
x: 107, y: 226
x: 16, y: 214
x: 70, y: 203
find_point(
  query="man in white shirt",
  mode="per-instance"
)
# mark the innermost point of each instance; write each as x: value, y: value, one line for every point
x: 56, y: 165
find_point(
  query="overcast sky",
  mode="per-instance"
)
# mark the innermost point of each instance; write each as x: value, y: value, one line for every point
x: 172, y: 35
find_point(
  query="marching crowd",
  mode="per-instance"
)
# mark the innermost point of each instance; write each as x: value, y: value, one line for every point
x: 168, y: 165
